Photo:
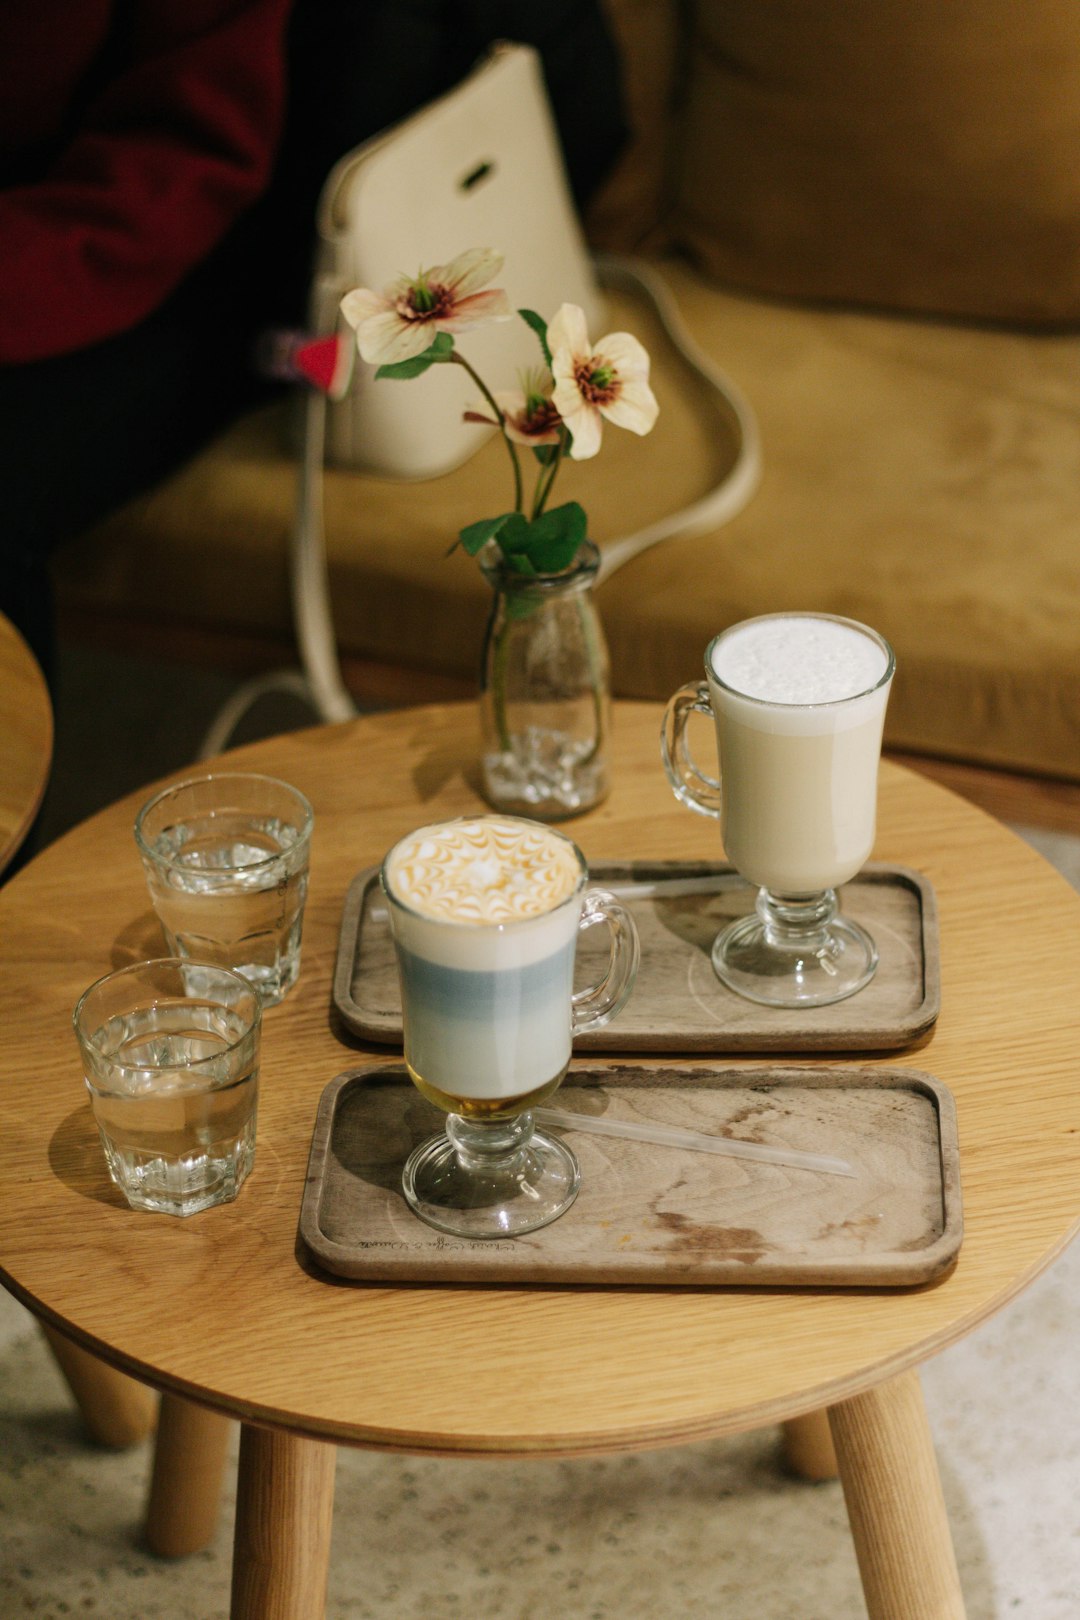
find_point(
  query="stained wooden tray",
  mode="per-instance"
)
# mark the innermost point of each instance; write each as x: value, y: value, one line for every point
x: 678, y: 1003
x: 656, y: 1216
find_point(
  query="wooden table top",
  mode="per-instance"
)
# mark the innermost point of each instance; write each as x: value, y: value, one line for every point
x: 221, y: 1307
x: 26, y: 739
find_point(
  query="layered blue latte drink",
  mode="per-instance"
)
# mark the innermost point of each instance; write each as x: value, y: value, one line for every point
x: 485, y: 913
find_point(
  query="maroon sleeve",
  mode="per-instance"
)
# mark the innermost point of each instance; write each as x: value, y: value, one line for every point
x: 166, y: 157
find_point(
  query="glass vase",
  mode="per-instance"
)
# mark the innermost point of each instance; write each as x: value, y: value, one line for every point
x: 545, y: 701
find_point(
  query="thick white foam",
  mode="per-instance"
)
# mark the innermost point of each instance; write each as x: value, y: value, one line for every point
x: 483, y: 870
x: 798, y: 659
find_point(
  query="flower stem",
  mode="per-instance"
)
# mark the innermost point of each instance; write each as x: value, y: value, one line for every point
x: 547, y: 477
x: 459, y: 359
x: 493, y: 668
x: 498, y: 687
x: 588, y: 631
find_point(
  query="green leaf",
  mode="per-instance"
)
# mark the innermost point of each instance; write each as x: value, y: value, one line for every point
x: 545, y: 453
x: 513, y: 534
x: 400, y: 370
x: 547, y: 545
x: 550, y: 543
x: 476, y: 535
x: 539, y: 326
x: 566, y: 524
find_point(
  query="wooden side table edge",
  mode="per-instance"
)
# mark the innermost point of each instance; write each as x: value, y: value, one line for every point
x: 768, y: 1413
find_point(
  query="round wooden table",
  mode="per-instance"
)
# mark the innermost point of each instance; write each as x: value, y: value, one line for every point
x: 26, y: 739
x: 222, y: 1308
x: 116, y: 1410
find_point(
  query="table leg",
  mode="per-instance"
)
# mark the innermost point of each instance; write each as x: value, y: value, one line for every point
x: 808, y: 1446
x: 284, y: 1510
x: 116, y: 1409
x: 185, y: 1487
x: 894, y: 1501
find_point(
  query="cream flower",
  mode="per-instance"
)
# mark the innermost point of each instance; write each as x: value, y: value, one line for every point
x: 402, y: 322
x: 609, y: 379
x: 529, y: 416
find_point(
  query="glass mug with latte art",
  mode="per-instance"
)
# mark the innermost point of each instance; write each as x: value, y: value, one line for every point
x: 485, y: 913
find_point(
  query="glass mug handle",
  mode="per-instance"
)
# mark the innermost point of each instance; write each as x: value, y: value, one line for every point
x: 689, y: 784
x: 597, y: 1005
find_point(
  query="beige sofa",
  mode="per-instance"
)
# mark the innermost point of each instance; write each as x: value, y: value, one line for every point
x: 870, y: 218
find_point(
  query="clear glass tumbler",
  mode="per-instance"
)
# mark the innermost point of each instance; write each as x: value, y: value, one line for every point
x: 170, y: 1053
x: 226, y: 861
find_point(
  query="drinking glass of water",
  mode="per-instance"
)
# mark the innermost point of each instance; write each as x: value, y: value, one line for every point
x: 226, y: 861
x: 485, y: 913
x: 798, y: 703
x: 170, y: 1054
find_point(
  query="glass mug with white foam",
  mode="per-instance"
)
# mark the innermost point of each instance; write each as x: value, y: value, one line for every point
x: 798, y: 701
x: 485, y: 913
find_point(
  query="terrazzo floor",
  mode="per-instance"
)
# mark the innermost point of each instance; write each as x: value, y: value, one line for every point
x: 708, y: 1530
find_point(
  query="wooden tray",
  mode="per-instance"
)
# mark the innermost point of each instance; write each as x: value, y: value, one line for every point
x: 678, y: 1003
x: 656, y: 1216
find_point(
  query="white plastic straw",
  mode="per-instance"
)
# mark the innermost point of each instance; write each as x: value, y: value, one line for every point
x: 697, y: 1141
x: 672, y: 887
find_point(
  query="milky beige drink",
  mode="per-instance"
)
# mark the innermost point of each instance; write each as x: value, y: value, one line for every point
x: 485, y: 915
x: 799, y: 705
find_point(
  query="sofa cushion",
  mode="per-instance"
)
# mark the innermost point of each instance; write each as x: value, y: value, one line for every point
x: 919, y: 476
x: 903, y: 153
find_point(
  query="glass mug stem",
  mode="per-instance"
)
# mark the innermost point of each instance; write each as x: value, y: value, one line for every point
x: 483, y: 1145
x: 797, y: 921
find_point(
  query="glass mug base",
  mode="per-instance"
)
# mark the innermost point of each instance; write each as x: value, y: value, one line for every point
x: 496, y: 1179
x: 794, y: 953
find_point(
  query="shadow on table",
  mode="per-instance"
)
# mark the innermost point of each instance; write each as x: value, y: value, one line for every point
x: 76, y: 1159
x: 141, y: 941
x: 440, y: 764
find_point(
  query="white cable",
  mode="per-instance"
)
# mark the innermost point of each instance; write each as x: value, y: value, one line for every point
x: 318, y: 683
x: 244, y: 698
x: 310, y: 585
x: 739, y: 483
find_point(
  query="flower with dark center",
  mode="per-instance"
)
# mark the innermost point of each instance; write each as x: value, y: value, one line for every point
x: 403, y: 321
x: 610, y: 380
x: 528, y: 414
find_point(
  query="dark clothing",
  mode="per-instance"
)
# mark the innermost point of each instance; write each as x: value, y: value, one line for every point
x: 139, y: 380
x: 133, y: 134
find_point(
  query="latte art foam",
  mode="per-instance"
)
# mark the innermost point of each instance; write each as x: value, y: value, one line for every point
x: 483, y: 871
